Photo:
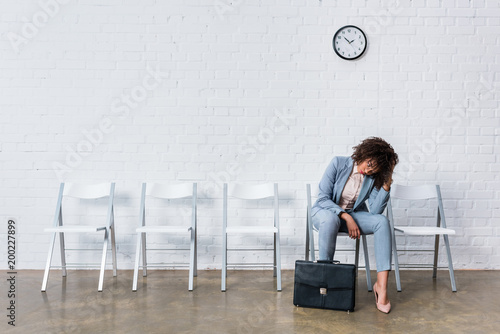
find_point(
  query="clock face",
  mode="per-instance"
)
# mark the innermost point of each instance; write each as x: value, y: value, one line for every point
x: 349, y: 42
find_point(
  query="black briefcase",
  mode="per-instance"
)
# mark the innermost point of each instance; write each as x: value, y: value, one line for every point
x: 324, y: 284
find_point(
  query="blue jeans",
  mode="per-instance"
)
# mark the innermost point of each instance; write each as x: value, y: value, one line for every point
x: 329, y: 225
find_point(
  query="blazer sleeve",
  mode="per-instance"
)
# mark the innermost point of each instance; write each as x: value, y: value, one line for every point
x: 378, y: 200
x: 327, y: 188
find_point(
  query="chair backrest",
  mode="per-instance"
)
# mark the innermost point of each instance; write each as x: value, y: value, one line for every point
x: 245, y: 191
x: 420, y: 192
x: 88, y: 191
x: 312, y: 195
x: 426, y: 191
x: 251, y: 192
x: 315, y: 192
x: 170, y: 191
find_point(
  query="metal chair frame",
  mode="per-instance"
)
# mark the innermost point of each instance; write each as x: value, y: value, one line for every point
x: 251, y: 192
x: 423, y: 192
x: 169, y: 192
x: 83, y: 192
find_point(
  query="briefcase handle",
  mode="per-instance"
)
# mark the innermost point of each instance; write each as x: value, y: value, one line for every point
x: 327, y: 261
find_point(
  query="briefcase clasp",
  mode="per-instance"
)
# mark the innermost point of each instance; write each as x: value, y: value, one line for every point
x: 323, y: 291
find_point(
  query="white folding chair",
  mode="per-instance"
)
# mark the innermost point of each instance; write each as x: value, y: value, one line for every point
x: 311, y: 250
x: 167, y: 192
x: 422, y: 192
x: 83, y: 192
x: 251, y: 192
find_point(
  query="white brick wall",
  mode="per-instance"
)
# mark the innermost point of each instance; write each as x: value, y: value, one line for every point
x: 190, y: 90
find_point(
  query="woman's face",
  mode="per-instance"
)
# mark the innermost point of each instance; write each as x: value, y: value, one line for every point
x: 367, y: 167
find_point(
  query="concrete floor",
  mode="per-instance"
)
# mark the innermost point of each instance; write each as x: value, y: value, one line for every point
x: 163, y: 304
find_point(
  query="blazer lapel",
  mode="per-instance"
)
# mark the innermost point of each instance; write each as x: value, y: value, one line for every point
x: 346, y: 172
x: 363, y: 193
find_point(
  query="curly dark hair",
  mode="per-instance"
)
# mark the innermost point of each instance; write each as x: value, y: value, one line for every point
x: 382, y: 155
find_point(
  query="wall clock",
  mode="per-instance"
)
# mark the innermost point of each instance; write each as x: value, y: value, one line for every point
x: 349, y: 42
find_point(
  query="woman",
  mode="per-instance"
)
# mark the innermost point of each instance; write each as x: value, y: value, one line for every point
x: 347, y: 183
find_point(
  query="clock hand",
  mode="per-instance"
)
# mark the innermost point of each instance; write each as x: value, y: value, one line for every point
x: 347, y: 40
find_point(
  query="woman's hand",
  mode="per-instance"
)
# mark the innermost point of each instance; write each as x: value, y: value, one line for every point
x: 352, y: 227
x: 388, y: 182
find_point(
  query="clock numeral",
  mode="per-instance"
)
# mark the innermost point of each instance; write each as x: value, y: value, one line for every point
x: 349, y: 30
x: 339, y: 37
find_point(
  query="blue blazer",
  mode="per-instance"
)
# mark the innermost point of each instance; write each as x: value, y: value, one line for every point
x: 333, y: 182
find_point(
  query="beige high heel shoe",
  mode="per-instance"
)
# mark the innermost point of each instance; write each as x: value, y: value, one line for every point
x: 382, y: 308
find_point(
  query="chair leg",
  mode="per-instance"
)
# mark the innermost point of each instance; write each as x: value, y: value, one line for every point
x: 367, y: 264
x: 356, y: 257
x: 306, y: 257
x: 450, y: 264
x: 113, y: 249
x: 136, y: 263
x: 278, y: 260
x: 103, y: 260
x: 191, y: 260
x: 63, y: 254
x: 144, y: 257
x: 49, y: 260
x: 396, y: 262
x: 436, y: 256
x: 195, y: 272
x: 224, y: 263
x: 274, y: 257
x: 312, y: 251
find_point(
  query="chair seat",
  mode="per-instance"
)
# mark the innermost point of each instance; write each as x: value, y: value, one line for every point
x: 163, y: 229
x: 76, y: 229
x: 251, y: 229
x: 423, y: 230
